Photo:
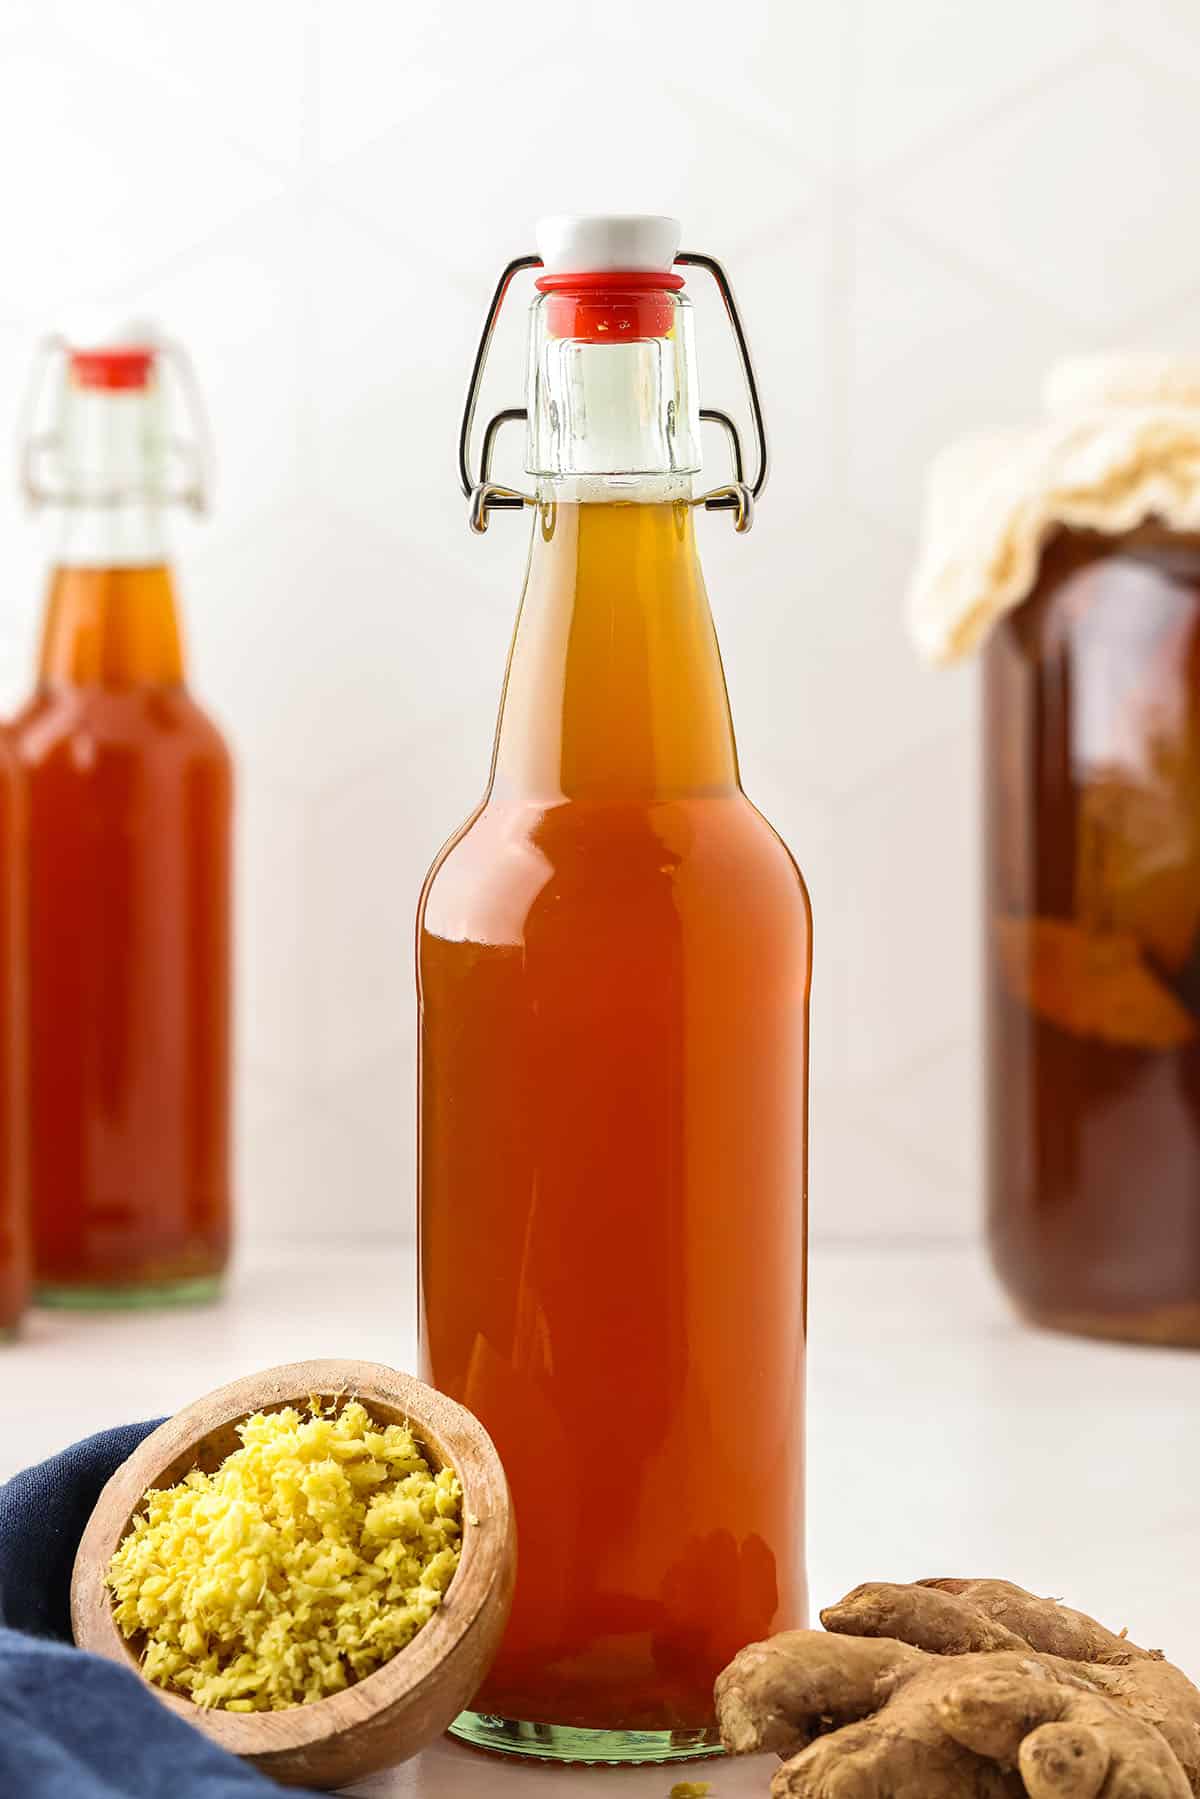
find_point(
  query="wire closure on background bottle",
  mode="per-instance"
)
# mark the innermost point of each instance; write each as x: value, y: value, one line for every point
x: 192, y: 454
x: 485, y: 495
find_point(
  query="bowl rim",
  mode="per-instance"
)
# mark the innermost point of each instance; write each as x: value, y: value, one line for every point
x: 441, y: 1425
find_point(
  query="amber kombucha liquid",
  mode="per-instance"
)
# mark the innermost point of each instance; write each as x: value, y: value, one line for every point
x: 14, y: 1239
x: 129, y: 799
x: 614, y: 964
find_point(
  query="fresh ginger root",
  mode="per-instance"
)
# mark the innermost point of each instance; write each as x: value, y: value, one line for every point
x: 955, y: 1689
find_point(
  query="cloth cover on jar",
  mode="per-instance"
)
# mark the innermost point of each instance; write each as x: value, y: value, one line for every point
x: 1119, y: 443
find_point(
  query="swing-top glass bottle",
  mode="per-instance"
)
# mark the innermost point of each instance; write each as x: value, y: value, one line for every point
x: 130, y: 794
x: 614, y: 965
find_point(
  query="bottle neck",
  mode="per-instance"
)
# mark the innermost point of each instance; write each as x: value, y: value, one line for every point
x: 112, y: 477
x: 111, y: 626
x: 611, y: 390
x: 128, y: 533
x: 111, y: 619
x: 615, y: 691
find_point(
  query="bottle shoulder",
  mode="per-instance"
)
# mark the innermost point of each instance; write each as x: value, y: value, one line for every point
x: 711, y: 856
x: 164, y: 721
x: 778, y: 850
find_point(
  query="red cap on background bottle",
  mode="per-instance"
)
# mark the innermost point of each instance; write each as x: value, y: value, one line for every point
x: 116, y: 360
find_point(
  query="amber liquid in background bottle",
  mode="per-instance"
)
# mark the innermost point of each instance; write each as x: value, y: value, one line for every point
x: 14, y: 1233
x: 130, y: 789
x: 614, y: 966
x: 1092, y: 800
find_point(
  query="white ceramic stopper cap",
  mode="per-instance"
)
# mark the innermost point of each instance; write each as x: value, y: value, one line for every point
x: 573, y: 243
x: 100, y: 330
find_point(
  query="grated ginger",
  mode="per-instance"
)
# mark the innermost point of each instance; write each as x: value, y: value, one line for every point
x: 314, y: 1553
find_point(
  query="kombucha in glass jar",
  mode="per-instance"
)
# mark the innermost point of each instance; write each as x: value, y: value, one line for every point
x: 1075, y: 565
x: 1092, y: 796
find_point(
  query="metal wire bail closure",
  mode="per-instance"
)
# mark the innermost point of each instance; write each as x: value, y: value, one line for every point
x: 192, y: 455
x: 485, y: 496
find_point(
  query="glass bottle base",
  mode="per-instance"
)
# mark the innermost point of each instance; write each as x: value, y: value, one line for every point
x: 198, y: 1290
x: 566, y: 1743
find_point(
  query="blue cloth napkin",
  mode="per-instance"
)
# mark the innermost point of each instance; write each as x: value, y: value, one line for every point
x: 73, y: 1726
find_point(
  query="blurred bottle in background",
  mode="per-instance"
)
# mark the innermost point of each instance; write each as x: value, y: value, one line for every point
x: 14, y: 1235
x: 130, y: 800
x: 1077, y: 552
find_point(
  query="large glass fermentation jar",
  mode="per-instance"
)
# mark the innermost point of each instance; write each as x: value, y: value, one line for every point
x: 1091, y: 931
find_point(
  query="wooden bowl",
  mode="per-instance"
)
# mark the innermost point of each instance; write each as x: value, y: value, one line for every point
x: 411, y: 1699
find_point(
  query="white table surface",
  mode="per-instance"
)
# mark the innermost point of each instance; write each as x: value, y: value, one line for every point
x: 944, y: 1439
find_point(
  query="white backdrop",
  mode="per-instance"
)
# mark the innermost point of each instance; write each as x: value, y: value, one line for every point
x: 921, y: 204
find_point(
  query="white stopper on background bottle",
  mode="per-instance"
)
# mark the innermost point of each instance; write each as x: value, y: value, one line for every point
x: 572, y: 243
